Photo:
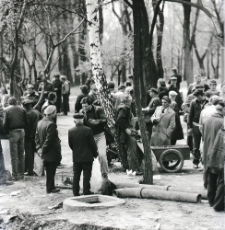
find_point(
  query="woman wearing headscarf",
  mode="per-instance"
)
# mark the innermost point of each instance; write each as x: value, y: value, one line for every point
x: 163, y: 124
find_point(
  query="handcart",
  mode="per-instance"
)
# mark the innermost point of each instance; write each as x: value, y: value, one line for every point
x: 171, y: 158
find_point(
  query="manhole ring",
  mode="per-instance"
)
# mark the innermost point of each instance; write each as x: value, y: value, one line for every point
x: 91, y: 202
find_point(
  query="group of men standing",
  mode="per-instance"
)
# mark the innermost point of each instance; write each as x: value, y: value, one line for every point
x: 36, y: 131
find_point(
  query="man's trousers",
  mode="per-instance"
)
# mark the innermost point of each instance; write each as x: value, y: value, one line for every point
x: 29, y: 154
x: 101, y: 144
x: 196, y: 144
x: 132, y: 157
x: 65, y: 103
x: 16, y: 144
x: 216, y: 190
x: 78, y: 167
x: 50, y: 175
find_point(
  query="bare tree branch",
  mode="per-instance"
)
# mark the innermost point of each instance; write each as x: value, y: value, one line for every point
x: 206, y: 11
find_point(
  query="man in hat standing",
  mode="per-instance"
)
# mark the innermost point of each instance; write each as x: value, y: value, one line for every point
x: 57, y: 84
x: 82, y: 143
x: 196, y: 107
x: 149, y: 111
x: 173, y: 87
x: 15, y: 121
x: 179, y: 78
x: 33, y: 117
x: 48, y: 146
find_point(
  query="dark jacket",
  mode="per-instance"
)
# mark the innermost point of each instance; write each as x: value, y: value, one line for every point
x: 81, y: 141
x: 98, y: 115
x: 15, y: 118
x: 163, y: 91
x: 177, y: 133
x: 217, y: 154
x: 78, y: 105
x: 33, y: 117
x: 57, y: 85
x: 196, y: 107
x: 123, y: 118
x: 47, y: 138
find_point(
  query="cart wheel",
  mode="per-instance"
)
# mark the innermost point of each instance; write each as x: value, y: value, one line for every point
x: 171, y: 161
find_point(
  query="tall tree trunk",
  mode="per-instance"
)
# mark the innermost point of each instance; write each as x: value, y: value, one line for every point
x: 82, y: 41
x: 138, y: 52
x: 101, y: 22
x: 159, y: 29
x: 187, y: 46
x: 96, y: 63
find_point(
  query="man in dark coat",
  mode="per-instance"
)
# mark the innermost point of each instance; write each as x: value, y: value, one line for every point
x: 15, y: 121
x: 48, y: 146
x: 149, y: 111
x: 173, y: 87
x: 178, y: 76
x: 126, y: 133
x: 82, y: 143
x: 57, y: 84
x: 215, y: 166
x: 209, y: 131
x: 196, y: 107
x: 33, y: 117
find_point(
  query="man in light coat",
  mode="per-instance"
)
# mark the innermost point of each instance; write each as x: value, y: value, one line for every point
x: 163, y: 124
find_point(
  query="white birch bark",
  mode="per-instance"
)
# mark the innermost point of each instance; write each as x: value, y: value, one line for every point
x: 96, y: 61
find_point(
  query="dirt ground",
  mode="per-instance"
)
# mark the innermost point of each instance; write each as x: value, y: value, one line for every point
x: 29, y: 208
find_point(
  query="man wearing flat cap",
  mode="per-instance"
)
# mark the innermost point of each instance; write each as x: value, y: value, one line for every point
x: 33, y: 117
x: 82, y: 143
x: 15, y: 121
x: 48, y: 146
x: 178, y: 76
x: 196, y: 106
x: 149, y: 111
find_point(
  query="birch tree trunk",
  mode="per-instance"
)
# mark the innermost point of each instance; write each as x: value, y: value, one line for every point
x: 96, y: 62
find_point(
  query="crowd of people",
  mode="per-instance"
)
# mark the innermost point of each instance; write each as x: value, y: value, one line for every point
x: 32, y: 128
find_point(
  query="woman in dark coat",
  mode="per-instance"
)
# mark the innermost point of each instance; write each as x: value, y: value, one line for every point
x: 177, y: 134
